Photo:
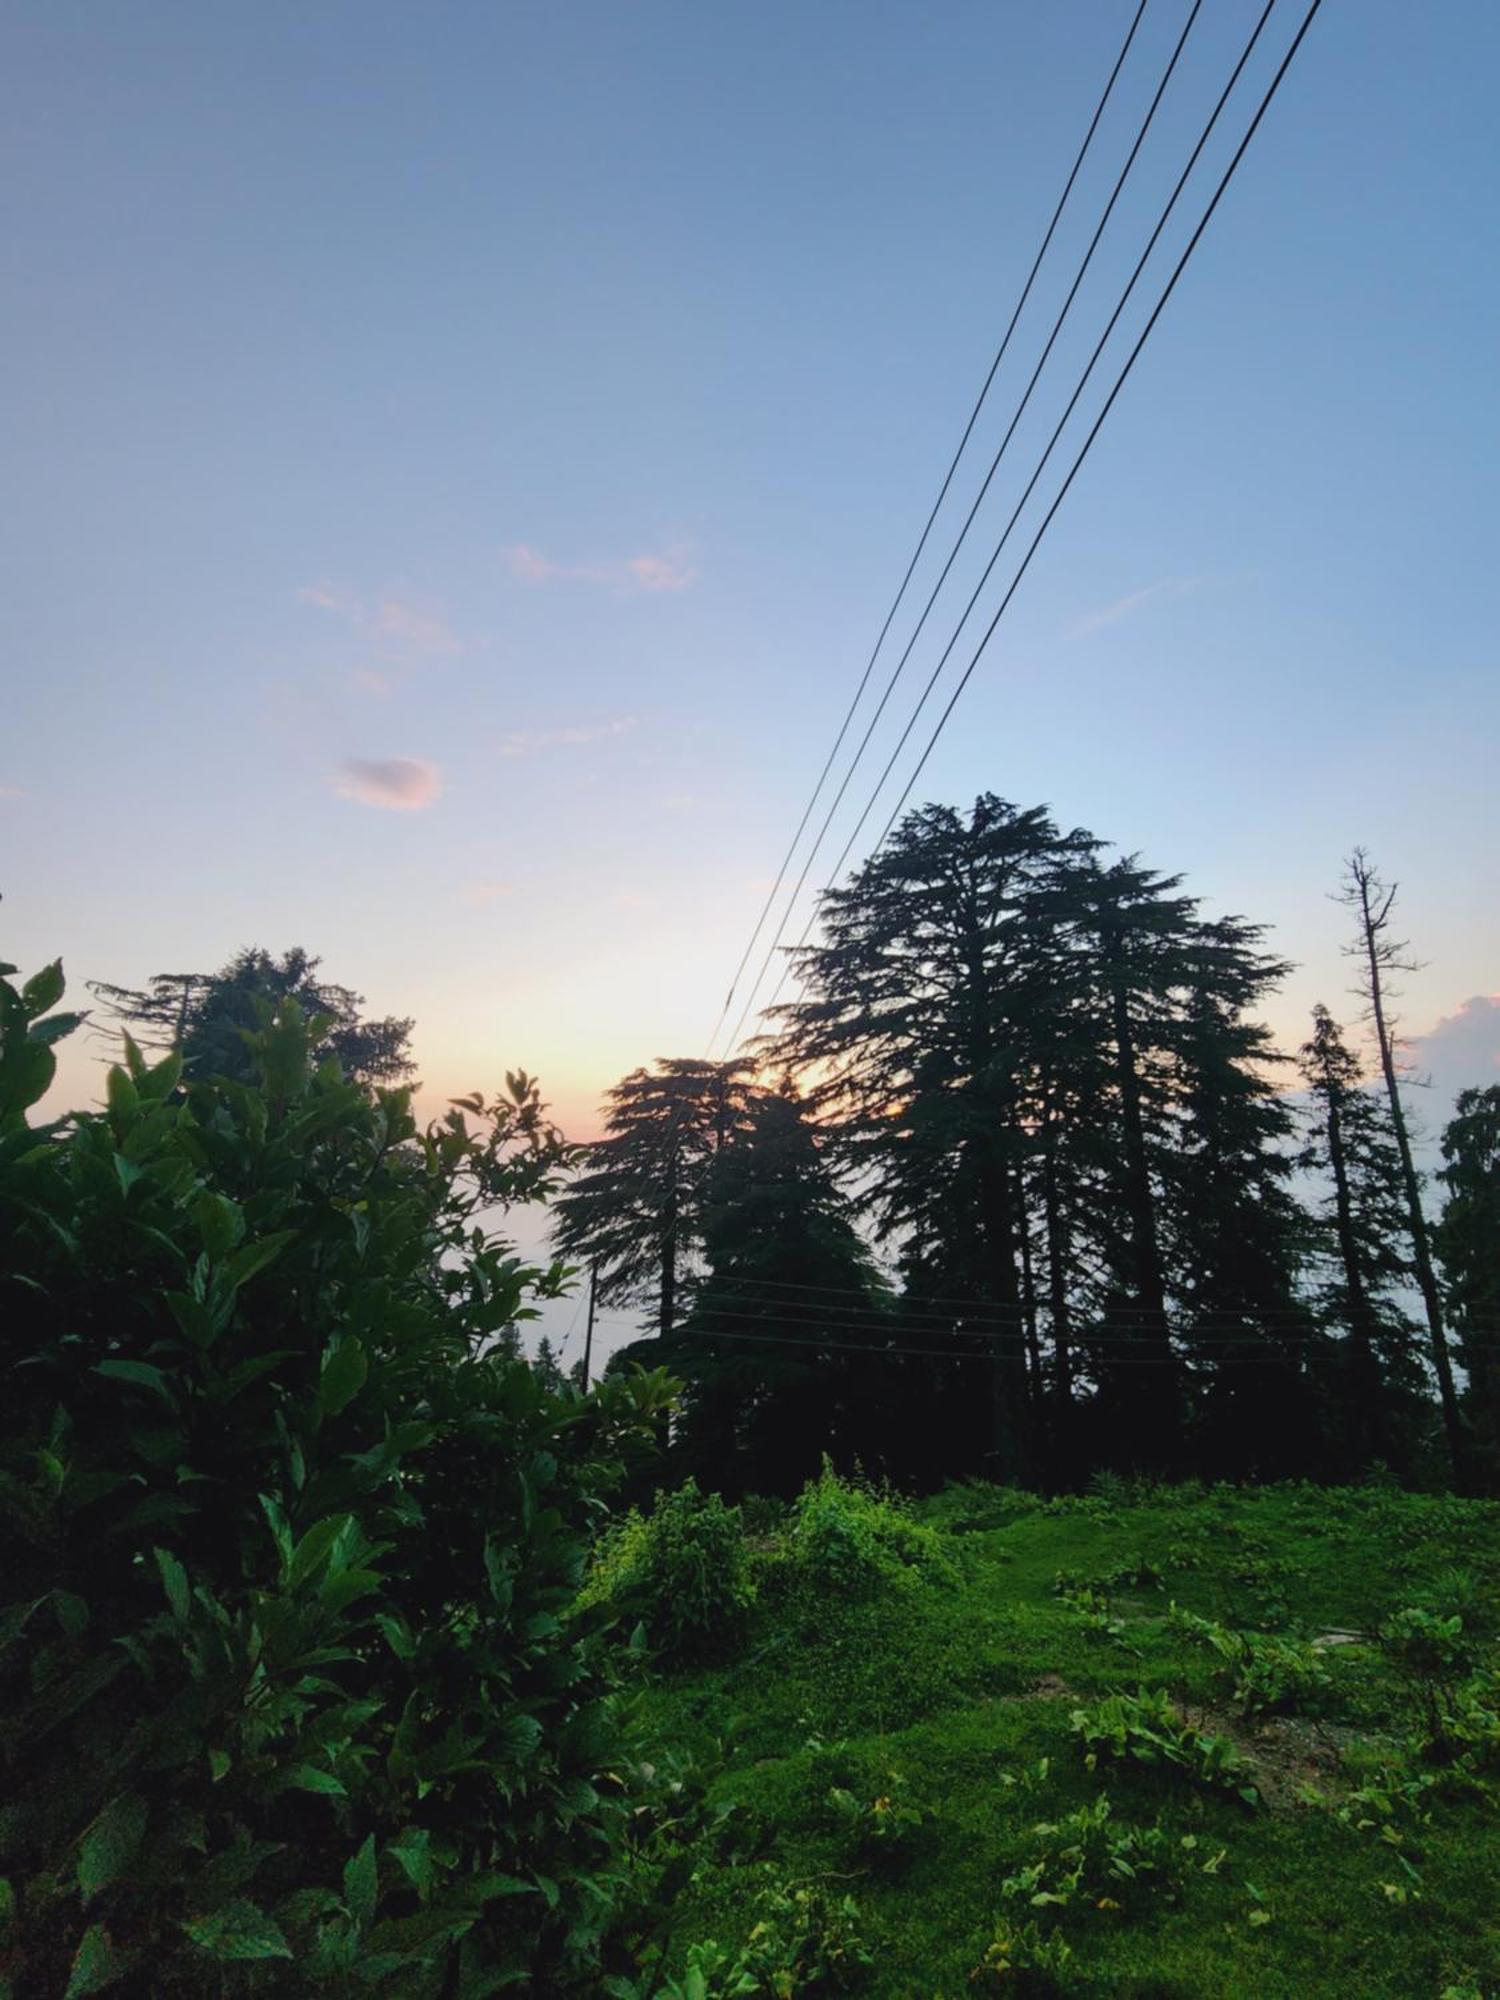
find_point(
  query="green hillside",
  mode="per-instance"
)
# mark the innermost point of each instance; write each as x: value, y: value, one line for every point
x: 900, y: 1781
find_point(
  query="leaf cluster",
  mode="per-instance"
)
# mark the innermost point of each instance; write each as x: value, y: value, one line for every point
x: 290, y: 1698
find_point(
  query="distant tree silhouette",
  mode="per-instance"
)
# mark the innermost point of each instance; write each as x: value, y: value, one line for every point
x: 1378, y: 954
x: 207, y: 1016
x: 780, y: 1352
x: 1360, y: 1241
x: 636, y: 1205
x: 1468, y: 1243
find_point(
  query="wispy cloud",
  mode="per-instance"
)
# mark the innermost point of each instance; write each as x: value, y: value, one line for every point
x: 1126, y: 607
x: 668, y: 569
x: 12, y: 791
x: 325, y: 597
x: 480, y: 893
x: 396, y: 784
x: 402, y: 627
x: 398, y: 626
x: 528, y: 742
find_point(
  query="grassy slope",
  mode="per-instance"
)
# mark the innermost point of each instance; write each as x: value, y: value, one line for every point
x: 963, y: 1692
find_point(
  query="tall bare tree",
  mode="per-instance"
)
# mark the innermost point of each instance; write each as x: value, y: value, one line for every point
x: 1379, y: 954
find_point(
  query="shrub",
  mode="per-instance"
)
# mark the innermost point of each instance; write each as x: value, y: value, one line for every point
x: 291, y: 1530
x: 879, y: 1829
x: 1146, y: 1729
x: 1029, y: 1965
x: 804, y: 1940
x: 1091, y: 1859
x: 846, y: 1540
x: 1266, y: 1675
x: 683, y: 1571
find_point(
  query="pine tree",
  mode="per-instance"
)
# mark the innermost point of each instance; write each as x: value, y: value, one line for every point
x: 1235, y: 1232
x: 208, y: 1015
x: 1468, y: 1243
x: 636, y: 1206
x: 1379, y: 955
x: 780, y: 1353
x: 913, y: 1035
x: 1359, y: 1217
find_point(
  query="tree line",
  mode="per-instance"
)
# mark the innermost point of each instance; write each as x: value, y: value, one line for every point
x: 1116, y: 1226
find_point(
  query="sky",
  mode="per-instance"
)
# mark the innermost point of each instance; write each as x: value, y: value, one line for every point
x: 457, y: 460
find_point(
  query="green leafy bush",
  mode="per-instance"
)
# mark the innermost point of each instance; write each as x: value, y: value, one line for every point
x: 879, y: 1829
x: 804, y: 1941
x: 287, y: 1690
x: 1145, y: 1728
x: 1267, y: 1675
x: 845, y: 1540
x: 683, y: 1571
x: 1091, y: 1859
x: 1029, y: 1965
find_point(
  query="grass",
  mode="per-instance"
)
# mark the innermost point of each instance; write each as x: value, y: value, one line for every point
x: 955, y: 1700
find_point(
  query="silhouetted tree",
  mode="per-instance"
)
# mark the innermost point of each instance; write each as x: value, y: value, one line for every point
x: 636, y: 1206
x: 780, y: 1352
x: 1468, y: 1243
x: 1379, y: 954
x: 1360, y: 1239
x: 911, y: 1036
x: 207, y: 1016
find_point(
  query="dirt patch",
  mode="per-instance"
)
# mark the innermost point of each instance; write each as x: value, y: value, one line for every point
x: 1285, y: 1752
x: 1052, y: 1687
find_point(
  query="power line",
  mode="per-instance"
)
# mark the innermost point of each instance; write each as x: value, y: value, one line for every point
x: 808, y: 1293
x: 1111, y: 1333
x: 963, y: 532
x: 987, y: 1355
x: 1051, y: 513
x: 864, y: 680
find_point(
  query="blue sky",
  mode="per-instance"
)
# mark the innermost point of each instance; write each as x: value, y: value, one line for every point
x: 458, y: 458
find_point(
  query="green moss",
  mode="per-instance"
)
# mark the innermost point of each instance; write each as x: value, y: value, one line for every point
x: 966, y: 1687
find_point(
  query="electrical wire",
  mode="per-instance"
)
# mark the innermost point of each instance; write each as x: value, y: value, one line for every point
x: 953, y: 554
x: 1051, y: 513
x: 1000, y: 354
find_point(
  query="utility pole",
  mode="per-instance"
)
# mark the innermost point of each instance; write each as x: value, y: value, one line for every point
x: 588, y: 1334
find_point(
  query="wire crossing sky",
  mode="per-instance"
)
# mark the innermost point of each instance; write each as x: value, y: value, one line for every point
x: 456, y: 460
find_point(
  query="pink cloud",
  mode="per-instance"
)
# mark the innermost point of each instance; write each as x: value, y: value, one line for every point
x: 666, y: 572
x: 324, y: 596
x: 527, y: 742
x: 669, y: 570
x: 396, y: 784
x: 398, y: 626
x: 403, y: 627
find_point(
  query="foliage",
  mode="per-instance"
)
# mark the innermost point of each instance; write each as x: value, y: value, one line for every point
x: 1093, y: 1860
x: 292, y: 1531
x: 846, y: 1540
x: 1029, y: 1963
x: 1267, y: 1675
x: 683, y: 1570
x: 207, y: 1017
x: 968, y: 1692
x: 803, y: 1941
x: 1147, y: 1729
x: 879, y: 1828
x: 1467, y: 1241
x: 635, y: 1207
x: 780, y: 1355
